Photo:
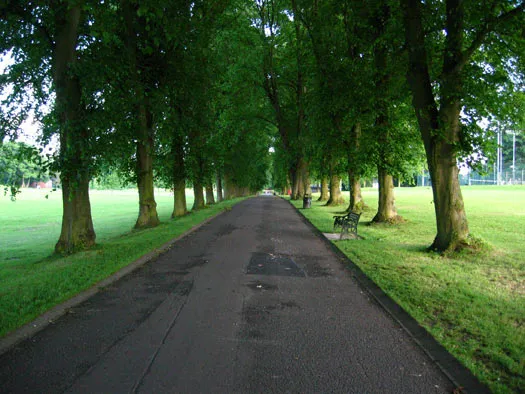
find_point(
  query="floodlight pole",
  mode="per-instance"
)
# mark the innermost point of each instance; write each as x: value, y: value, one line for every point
x: 500, y: 157
x: 514, y: 156
x: 497, y: 174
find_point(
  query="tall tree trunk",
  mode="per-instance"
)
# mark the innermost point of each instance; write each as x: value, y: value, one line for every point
x: 307, y: 189
x: 294, y: 175
x: 305, y: 175
x: 324, y: 189
x: 179, y: 199
x: 440, y: 128
x: 230, y: 189
x: 77, y: 225
x: 144, y: 133
x: 298, y: 188
x: 77, y: 230
x: 386, y: 210
x: 148, y: 216
x: 179, y: 177
x: 179, y: 187
x: 198, y: 173
x: 210, y: 198
x: 300, y: 179
x: 219, y: 187
x: 303, y: 167
x: 356, y: 199
x: 336, y: 197
x: 353, y: 142
x: 227, y: 188
x: 451, y: 220
x: 198, y: 191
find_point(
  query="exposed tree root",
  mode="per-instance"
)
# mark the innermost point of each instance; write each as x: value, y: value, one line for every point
x: 469, y: 245
x: 394, y: 220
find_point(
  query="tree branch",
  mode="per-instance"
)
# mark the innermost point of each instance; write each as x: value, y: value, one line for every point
x: 489, y: 26
x: 272, y: 122
x: 14, y: 8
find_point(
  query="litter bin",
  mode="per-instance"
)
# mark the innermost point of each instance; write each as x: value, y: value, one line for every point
x: 307, y: 201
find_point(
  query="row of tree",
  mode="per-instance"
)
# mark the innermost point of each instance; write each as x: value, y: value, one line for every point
x: 362, y: 87
x: 137, y: 86
x: 198, y: 91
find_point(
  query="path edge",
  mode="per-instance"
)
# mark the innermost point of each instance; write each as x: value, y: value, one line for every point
x: 462, y: 378
x: 31, y: 328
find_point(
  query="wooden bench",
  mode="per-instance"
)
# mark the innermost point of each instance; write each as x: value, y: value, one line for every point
x: 348, y: 223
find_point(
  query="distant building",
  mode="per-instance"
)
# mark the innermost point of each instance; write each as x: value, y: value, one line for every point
x: 42, y: 185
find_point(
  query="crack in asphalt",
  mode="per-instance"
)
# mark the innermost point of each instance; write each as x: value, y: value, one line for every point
x: 147, y: 370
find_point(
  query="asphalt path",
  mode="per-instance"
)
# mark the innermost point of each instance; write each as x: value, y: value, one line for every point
x: 252, y: 302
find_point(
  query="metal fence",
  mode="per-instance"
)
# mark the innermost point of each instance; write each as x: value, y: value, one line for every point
x: 490, y: 176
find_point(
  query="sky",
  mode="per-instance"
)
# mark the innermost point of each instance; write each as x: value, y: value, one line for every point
x: 30, y: 127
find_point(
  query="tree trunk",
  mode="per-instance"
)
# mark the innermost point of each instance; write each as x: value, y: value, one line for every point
x: 301, y: 180
x: 77, y: 225
x: 198, y: 202
x: 179, y: 199
x: 324, y: 189
x: 386, y: 210
x: 179, y: 178
x: 451, y: 220
x: 148, y: 216
x: 230, y: 190
x: 219, y: 187
x: 440, y: 128
x: 294, y: 177
x: 144, y: 129
x: 210, y: 198
x: 299, y: 187
x: 356, y: 200
x: 77, y: 230
x: 307, y: 190
x: 353, y: 142
x: 336, y: 197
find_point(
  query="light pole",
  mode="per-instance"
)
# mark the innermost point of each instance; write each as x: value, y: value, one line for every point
x: 497, y: 173
x: 514, y: 157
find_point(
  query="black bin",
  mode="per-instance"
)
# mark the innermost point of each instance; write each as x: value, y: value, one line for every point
x: 307, y: 202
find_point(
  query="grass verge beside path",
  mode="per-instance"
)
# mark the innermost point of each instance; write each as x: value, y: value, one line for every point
x: 31, y: 225
x: 473, y: 304
x: 30, y: 284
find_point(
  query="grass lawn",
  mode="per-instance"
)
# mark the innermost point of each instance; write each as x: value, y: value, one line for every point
x: 474, y: 304
x: 32, y: 280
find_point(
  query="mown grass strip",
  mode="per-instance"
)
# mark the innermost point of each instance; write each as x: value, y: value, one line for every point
x: 472, y: 303
x: 31, y: 284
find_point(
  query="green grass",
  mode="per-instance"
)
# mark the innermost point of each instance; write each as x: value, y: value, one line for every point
x: 32, y: 280
x: 472, y: 303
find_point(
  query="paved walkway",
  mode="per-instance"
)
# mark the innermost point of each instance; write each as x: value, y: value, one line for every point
x: 252, y: 302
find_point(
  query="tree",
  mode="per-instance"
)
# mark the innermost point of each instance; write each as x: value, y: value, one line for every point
x: 438, y: 95
x: 145, y: 41
x: 393, y: 131
x: 341, y: 90
x: 44, y: 41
